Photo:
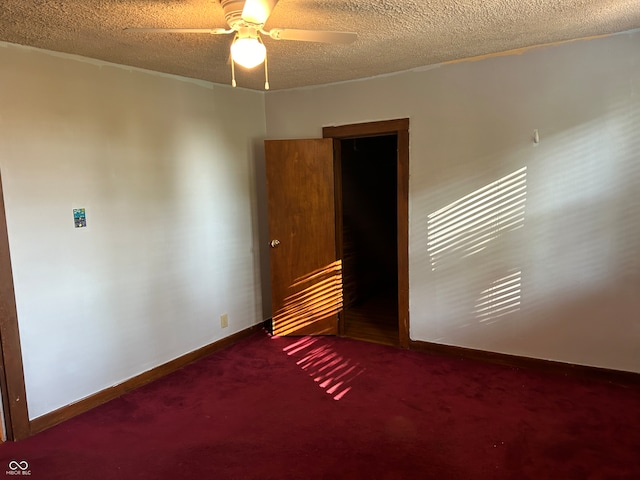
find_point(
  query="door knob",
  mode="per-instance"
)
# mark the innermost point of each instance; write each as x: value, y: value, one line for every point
x: 274, y: 243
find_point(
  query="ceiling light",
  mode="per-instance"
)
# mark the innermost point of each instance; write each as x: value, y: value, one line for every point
x: 248, y: 52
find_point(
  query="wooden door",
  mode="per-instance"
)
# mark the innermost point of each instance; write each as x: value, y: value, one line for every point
x: 306, y: 275
x: 12, y: 387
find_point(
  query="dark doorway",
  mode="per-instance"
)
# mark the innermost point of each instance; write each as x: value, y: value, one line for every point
x: 368, y: 170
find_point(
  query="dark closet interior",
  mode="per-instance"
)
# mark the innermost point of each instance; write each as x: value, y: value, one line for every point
x: 369, y: 232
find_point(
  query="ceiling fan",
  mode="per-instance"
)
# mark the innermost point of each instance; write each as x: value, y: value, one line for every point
x: 246, y: 20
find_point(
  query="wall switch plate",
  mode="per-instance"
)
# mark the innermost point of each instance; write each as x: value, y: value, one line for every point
x: 224, y: 320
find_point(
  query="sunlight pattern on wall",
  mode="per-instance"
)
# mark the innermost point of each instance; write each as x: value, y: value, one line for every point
x: 316, y: 296
x: 502, y: 298
x: 330, y: 371
x: 465, y: 227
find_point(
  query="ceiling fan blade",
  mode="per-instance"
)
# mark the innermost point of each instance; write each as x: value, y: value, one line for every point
x: 257, y: 11
x: 212, y: 31
x: 312, y: 35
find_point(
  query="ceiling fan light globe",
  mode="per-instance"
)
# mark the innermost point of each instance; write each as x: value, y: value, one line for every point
x: 248, y: 52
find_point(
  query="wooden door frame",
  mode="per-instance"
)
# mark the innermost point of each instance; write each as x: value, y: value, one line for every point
x: 12, y: 386
x: 400, y: 128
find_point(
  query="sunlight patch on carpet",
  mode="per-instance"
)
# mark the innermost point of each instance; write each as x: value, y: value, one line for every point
x: 333, y: 373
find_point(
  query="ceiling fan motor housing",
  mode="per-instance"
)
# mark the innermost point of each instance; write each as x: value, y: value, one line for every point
x: 233, y: 13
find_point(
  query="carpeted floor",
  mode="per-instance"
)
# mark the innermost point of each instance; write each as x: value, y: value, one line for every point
x: 326, y: 407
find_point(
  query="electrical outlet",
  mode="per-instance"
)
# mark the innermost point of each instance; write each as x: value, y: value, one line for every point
x: 224, y: 320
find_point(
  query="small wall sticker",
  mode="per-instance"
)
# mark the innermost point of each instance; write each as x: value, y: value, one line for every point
x: 79, y: 218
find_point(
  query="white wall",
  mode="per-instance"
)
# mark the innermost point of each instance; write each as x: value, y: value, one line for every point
x: 165, y: 169
x: 555, y: 273
x: 171, y: 174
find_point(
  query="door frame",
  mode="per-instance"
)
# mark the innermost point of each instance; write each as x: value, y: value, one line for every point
x: 12, y: 386
x: 400, y: 128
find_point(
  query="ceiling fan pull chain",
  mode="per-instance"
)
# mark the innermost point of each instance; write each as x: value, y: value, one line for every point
x: 266, y: 74
x: 233, y: 74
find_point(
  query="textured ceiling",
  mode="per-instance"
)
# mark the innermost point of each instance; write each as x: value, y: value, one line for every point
x: 393, y: 35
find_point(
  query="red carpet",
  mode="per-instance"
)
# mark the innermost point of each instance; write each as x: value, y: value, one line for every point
x: 292, y: 408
